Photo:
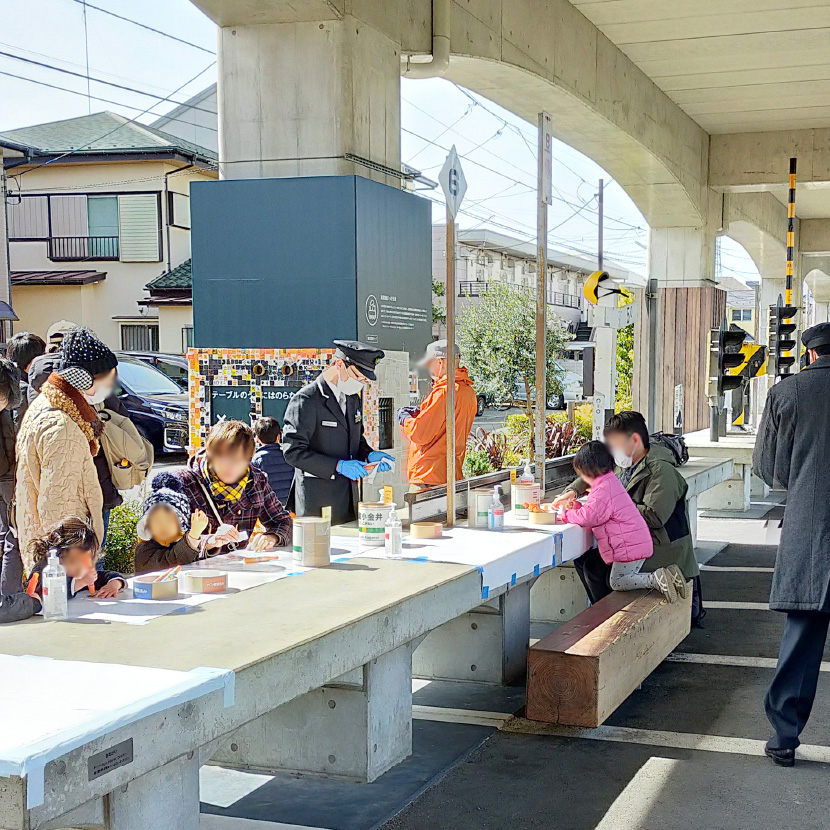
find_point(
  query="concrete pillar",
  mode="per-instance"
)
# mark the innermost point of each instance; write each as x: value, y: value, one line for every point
x: 557, y: 595
x: 822, y: 312
x: 357, y: 727
x: 671, y: 333
x: 294, y: 98
x: 488, y: 645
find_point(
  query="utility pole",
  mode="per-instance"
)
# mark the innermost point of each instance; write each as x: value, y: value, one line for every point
x: 455, y: 186
x: 600, y: 223
x: 544, y: 186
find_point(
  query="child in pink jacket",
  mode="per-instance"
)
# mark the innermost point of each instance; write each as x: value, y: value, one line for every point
x: 622, y: 534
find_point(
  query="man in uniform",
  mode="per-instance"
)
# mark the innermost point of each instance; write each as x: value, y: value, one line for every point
x: 793, y: 451
x: 323, y: 436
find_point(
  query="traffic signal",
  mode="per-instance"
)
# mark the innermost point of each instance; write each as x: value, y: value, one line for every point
x: 724, y: 356
x: 781, y: 341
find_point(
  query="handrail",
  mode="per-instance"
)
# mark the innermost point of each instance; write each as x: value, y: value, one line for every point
x: 432, y: 502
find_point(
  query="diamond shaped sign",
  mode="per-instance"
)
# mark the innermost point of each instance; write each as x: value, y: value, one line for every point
x: 453, y: 182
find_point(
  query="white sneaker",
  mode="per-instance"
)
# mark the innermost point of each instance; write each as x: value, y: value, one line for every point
x: 680, y: 584
x: 665, y: 584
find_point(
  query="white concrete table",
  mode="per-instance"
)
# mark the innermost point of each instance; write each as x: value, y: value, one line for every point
x: 733, y: 494
x: 322, y: 662
x: 86, y: 744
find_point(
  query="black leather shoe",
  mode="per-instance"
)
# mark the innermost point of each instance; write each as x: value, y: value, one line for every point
x: 781, y: 757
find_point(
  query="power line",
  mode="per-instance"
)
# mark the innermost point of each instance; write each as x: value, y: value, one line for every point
x: 115, y: 129
x: 97, y: 98
x: 145, y: 26
x: 108, y: 83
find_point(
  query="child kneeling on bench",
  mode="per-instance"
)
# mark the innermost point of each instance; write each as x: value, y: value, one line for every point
x: 622, y: 534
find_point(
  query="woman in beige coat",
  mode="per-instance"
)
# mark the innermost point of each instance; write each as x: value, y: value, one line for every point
x: 58, y: 441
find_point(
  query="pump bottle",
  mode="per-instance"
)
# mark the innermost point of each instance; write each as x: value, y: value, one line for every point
x: 392, y: 535
x: 55, y: 597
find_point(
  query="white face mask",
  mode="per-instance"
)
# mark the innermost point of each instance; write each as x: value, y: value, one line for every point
x: 98, y: 395
x: 622, y: 459
x: 350, y: 386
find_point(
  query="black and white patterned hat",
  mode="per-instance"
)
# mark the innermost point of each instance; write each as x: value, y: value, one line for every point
x: 81, y: 349
x: 169, y: 491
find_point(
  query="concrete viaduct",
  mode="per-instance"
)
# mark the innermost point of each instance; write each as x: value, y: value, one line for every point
x: 693, y: 106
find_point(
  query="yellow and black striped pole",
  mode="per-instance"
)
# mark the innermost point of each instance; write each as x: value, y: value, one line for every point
x: 788, y: 292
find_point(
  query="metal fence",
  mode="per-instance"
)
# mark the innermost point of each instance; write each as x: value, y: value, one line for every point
x: 475, y: 288
x: 81, y: 248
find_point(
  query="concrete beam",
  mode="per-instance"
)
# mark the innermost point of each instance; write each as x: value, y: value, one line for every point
x: 758, y: 160
x: 815, y: 236
x: 526, y: 55
x: 758, y: 222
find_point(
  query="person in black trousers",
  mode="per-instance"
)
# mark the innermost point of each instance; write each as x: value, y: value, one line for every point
x: 792, y: 451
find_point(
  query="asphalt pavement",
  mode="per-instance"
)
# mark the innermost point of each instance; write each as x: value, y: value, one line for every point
x: 684, y: 752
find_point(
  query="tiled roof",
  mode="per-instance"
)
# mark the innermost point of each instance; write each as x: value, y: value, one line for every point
x: 101, y: 132
x: 56, y: 277
x: 179, y: 277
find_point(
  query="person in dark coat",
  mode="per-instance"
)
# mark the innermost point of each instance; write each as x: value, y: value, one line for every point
x: 323, y: 436
x: 22, y: 349
x: 11, y: 565
x: 792, y: 450
x: 270, y: 459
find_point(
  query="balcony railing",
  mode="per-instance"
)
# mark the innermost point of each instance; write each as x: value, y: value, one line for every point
x: 82, y: 248
x: 475, y: 288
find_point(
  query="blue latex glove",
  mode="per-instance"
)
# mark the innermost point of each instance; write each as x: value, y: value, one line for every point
x: 384, y: 458
x: 352, y: 469
x: 407, y: 412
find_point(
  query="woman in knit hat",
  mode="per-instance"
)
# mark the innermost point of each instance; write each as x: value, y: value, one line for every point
x: 58, y: 441
x: 170, y: 534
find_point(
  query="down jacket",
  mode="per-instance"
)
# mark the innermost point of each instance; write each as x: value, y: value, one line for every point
x: 621, y: 532
x: 56, y: 475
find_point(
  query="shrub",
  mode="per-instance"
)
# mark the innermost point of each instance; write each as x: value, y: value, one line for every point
x: 121, y: 538
x: 499, y: 448
x: 476, y: 463
x: 520, y: 429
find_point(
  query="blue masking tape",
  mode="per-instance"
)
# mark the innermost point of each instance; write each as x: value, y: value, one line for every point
x: 485, y: 592
x: 513, y: 580
x: 536, y: 570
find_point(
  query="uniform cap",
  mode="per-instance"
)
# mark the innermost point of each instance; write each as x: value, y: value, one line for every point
x: 818, y: 335
x: 361, y: 355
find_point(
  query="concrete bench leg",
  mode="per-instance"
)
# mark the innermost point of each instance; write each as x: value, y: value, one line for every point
x: 357, y: 727
x: 165, y: 799
x: 732, y: 495
x: 558, y: 595
x: 488, y: 645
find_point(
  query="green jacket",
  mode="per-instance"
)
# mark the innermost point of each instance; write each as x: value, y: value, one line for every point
x: 659, y: 491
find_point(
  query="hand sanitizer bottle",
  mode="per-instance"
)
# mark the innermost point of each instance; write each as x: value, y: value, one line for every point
x: 495, y: 513
x: 55, y: 599
x: 527, y: 474
x: 392, y: 535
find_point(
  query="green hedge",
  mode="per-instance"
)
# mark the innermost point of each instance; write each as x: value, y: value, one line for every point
x: 121, y: 538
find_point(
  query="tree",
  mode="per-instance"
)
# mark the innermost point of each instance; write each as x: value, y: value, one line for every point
x: 625, y: 359
x: 498, y: 344
x: 439, y: 308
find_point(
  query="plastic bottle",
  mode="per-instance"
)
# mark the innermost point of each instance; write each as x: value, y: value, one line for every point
x: 495, y: 513
x: 55, y: 598
x: 392, y: 535
x: 527, y: 475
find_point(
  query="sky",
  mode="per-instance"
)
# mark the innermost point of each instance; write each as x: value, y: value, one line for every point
x: 497, y: 149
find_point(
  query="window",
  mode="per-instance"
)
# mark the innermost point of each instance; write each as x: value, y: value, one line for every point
x: 741, y: 315
x: 175, y: 371
x: 187, y: 338
x: 102, y: 219
x: 28, y: 216
x: 140, y: 337
x: 142, y: 379
x: 178, y: 210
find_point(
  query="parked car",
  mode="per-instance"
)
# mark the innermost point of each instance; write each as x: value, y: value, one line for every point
x: 173, y: 365
x: 156, y: 405
x: 571, y: 391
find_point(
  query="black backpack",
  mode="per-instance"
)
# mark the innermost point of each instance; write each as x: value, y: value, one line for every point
x: 676, y: 444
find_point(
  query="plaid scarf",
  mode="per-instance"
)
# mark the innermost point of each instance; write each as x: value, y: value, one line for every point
x: 62, y: 395
x: 226, y: 492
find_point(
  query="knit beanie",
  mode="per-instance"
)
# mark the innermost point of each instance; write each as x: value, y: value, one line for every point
x: 81, y: 349
x: 168, y: 490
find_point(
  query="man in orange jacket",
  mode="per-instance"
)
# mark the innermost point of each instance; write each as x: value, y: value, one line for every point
x: 425, y: 426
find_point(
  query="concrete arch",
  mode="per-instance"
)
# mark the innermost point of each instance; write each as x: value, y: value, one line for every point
x: 536, y: 55
x: 757, y: 222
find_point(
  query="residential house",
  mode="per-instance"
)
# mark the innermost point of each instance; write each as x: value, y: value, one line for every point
x: 96, y: 207
x: 171, y: 296
x: 742, y: 304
